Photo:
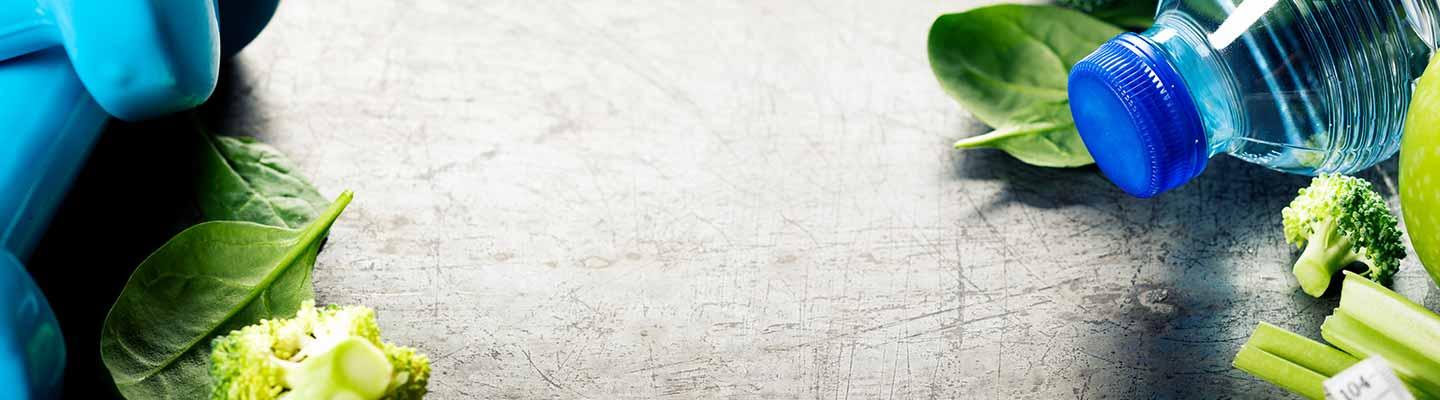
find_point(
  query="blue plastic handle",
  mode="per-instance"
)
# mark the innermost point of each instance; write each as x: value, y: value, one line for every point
x: 138, y: 58
x: 48, y: 132
x: 33, y: 345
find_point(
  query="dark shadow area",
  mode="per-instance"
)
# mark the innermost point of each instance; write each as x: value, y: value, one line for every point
x: 1044, y: 188
x: 1180, y: 323
x: 132, y: 195
x: 1218, y: 230
x: 232, y: 109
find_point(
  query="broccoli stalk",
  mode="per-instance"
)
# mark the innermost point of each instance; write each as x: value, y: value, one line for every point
x: 326, y: 353
x: 1340, y: 221
x: 1327, y: 251
x: 346, y: 368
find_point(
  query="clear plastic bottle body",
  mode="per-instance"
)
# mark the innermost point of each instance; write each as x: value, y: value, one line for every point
x: 1301, y: 86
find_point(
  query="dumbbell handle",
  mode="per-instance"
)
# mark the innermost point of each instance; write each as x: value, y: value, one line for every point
x: 24, y: 28
x: 138, y: 58
x: 48, y: 129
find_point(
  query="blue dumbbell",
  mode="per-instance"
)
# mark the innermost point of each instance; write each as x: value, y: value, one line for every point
x: 66, y: 66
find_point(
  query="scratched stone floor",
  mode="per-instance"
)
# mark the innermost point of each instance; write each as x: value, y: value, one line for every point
x: 606, y: 199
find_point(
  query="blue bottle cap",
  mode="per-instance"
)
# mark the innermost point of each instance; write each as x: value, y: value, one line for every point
x: 1136, y: 116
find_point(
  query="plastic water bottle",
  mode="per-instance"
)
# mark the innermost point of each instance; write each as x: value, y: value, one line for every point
x: 1301, y: 86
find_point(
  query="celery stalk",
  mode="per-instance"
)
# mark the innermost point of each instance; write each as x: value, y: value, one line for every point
x: 1312, y: 355
x: 1291, y: 361
x: 1417, y: 371
x: 1281, y: 372
x: 1371, y: 321
x: 1385, y: 311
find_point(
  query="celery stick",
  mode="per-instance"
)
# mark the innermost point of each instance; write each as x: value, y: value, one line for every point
x: 1281, y: 372
x: 1418, y: 372
x: 1291, y: 361
x: 1385, y: 311
x: 1302, y: 351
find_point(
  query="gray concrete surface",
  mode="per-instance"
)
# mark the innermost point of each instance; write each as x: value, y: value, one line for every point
x: 606, y: 199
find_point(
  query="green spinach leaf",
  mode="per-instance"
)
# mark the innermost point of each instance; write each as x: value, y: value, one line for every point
x: 1008, y: 65
x: 241, y: 179
x: 1053, y: 143
x: 208, y: 280
x: 1135, y: 15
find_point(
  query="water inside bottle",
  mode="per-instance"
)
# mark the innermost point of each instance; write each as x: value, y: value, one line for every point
x: 1302, y: 86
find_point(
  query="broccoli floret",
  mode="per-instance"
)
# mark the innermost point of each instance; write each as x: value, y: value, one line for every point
x: 323, y: 353
x: 1340, y: 221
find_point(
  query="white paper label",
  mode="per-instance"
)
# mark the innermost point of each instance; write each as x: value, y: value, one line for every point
x: 1371, y: 379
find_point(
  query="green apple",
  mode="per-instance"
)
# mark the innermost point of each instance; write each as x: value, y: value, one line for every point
x: 1420, y: 169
